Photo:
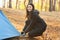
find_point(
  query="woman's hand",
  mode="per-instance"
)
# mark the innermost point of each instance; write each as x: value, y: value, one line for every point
x: 23, y: 33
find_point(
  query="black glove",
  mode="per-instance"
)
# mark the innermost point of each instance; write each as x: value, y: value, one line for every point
x: 23, y: 33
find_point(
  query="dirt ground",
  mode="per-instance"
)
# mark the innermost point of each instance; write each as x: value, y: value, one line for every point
x: 17, y: 18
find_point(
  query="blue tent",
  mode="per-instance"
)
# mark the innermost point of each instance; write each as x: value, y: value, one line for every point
x: 7, y: 30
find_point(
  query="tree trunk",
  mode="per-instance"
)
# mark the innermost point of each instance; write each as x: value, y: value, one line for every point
x: 59, y: 5
x: 4, y: 4
x: 54, y: 5
x: 10, y: 6
x: 16, y: 4
x: 41, y: 5
x: 24, y: 3
x: 51, y: 5
x: 30, y: 1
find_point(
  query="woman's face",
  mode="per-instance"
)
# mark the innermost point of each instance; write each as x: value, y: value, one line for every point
x: 29, y: 8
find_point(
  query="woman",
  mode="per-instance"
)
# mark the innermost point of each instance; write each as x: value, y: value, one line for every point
x: 34, y: 25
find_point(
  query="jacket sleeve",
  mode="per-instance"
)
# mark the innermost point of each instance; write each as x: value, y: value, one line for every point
x: 24, y: 27
x: 26, y: 24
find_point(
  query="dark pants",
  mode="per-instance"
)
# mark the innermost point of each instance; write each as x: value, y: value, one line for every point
x: 35, y: 32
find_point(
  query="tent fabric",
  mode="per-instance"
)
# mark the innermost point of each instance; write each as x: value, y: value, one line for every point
x: 7, y: 30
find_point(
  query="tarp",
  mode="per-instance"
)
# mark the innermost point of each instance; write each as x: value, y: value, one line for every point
x: 7, y: 30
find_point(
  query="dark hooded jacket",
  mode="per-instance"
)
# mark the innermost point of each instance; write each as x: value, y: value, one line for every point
x: 35, y: 23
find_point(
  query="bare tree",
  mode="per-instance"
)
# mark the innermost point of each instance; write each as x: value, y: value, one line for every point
x: 54, y: 4
x: 4, y: 4
x: 41, y: 4
x: 59, y: 5
x: 10, y: 5
x: 16, y: 4
x: 51, y: 5
x: 24, y: 3
x: 30, y: 1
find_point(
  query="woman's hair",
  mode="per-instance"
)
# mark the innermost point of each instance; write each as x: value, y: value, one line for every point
x: 27, y: 12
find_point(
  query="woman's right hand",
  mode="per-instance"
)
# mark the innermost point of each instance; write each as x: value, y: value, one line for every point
x: 23, y: 33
